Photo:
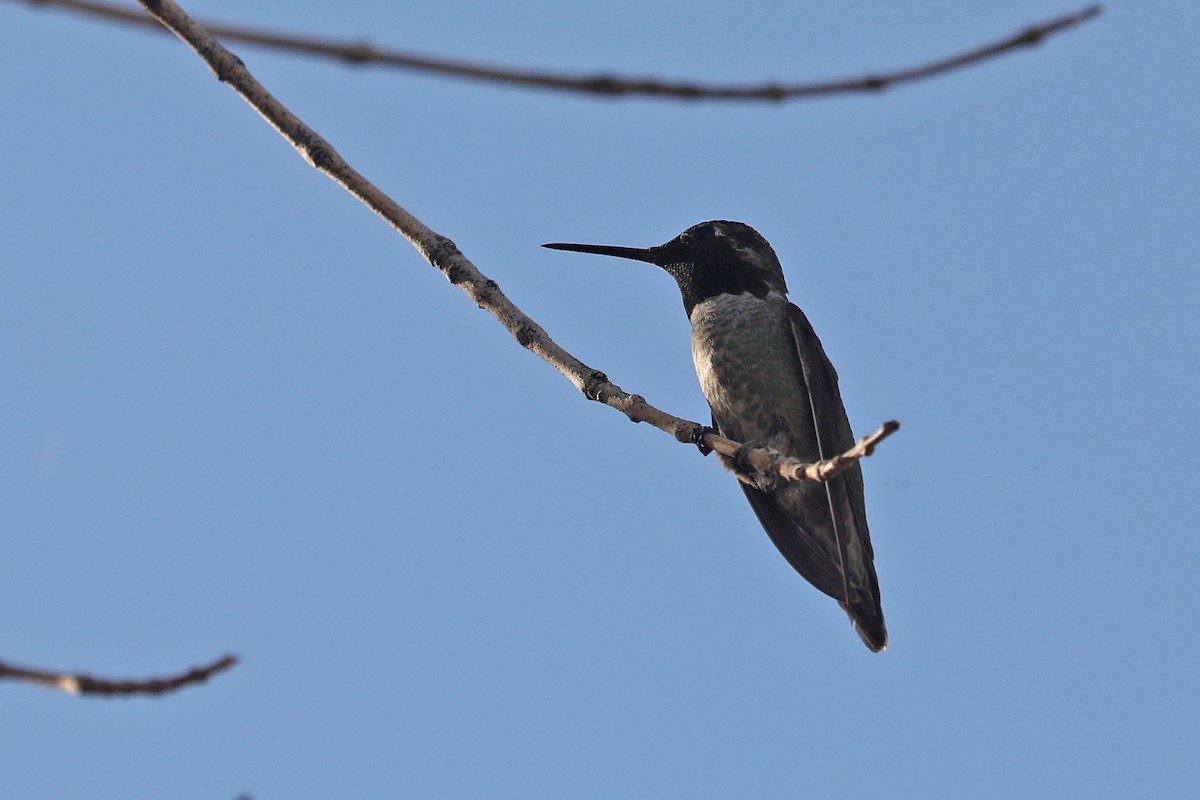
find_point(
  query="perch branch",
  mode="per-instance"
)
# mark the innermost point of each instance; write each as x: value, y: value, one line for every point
x: 443, y: 254
x: 770, y: 462
x: 86, y: 684
x: 358, y: 52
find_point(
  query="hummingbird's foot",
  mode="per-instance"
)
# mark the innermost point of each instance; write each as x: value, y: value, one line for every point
x: 698, y: 438
x: 740, y: 465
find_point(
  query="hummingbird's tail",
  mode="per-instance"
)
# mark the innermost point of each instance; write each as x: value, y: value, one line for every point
x: 823, y: 570
x: 867, y: 616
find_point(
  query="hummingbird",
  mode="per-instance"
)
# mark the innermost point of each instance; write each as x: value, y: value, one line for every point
x: 769, y: 384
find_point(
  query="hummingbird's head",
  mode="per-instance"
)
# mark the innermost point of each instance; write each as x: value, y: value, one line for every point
x: 707, y: 260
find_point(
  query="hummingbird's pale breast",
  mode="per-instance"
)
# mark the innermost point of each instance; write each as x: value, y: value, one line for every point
x: 746, y: 362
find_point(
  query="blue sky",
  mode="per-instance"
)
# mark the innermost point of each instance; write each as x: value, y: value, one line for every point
x: 241, y: 415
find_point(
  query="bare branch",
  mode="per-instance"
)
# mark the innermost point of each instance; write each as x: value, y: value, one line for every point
x: 770, y: 462
x: 433, y: 247
x: 86, y: 684
x: 358, y: 52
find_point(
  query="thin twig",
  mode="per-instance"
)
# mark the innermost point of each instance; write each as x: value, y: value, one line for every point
x: 443, y: 254
x: 769, y: 462
x: 358, y: 52
x: 86, y: 684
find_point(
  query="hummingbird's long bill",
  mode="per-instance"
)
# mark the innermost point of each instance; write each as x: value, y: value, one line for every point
x: 636, y: 253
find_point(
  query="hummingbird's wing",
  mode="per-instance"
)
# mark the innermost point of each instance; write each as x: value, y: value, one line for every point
x: 785, y: 522
x: 822, y: 532
x: 847, y: 507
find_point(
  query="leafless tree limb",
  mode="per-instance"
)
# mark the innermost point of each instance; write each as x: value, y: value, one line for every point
x: 794, y: 469
x: 358, y: 52
x: 442, y: 253
x: 78, y: 684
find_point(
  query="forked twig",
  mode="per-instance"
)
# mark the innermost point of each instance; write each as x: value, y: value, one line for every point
x: 440, y: 251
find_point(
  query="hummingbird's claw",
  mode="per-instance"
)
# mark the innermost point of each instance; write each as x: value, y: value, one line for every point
x: 740, y: 465
x: 698, y: 435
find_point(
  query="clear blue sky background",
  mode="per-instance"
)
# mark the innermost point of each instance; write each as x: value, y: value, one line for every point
x: 239, y: 414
